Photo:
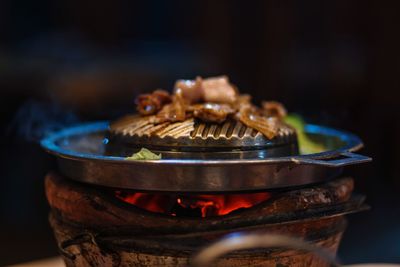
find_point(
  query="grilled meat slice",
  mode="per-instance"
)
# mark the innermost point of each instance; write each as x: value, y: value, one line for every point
x: 211, y: 112
x: 175, y: 111
x: 191, y: 90
x: 269, y: 127
x: 274, y: 109
x: 219, y: 90
x: 213, y: 90
x: 148, y: 104
x: 211, y: 100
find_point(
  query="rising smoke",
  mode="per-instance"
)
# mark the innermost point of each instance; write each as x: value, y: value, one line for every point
x: 34, y: 120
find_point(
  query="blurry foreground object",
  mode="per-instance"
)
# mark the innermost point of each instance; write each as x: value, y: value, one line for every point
x: 243, y: 241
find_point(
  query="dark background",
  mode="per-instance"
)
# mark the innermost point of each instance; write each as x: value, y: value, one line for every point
x: 334, y: 62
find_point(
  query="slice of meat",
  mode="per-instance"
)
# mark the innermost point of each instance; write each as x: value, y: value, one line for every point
x: 269, y: 127
x: 175, y: 111
x: 274, y: 109
x: 218, y: 90
x: 192, y: 90
x: 211, y: 112
x: 214, y: 89
x: 242, y: 101
x: 148, y: 104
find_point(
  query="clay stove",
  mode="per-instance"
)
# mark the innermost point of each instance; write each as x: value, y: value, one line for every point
x: 93, y: 227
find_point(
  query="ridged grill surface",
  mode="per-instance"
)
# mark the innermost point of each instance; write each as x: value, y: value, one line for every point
x: 143, y: 126
x: 141, y: 130
x: 229, y: 129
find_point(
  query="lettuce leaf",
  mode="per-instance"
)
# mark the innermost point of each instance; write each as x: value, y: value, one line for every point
x: 144, y: 154
x: 306, y: 145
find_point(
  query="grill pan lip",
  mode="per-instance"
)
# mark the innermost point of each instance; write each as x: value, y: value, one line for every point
x: 200, y: 175
x: 352, y: 143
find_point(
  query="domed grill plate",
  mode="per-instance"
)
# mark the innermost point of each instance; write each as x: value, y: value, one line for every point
x: 194, y: 135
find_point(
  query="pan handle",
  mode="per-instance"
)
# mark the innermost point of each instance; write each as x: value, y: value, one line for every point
x: 343, y: 159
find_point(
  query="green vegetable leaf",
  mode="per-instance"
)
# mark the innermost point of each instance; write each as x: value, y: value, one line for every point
x: 144, y: 154
x: 306, y: 144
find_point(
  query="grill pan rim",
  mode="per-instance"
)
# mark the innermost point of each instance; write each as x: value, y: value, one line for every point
x: 200, y: 176
x: 353, y: 143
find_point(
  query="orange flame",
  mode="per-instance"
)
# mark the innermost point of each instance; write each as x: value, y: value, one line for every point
x: 204, y: 205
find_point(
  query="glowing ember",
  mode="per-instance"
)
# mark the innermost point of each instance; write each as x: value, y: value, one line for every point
x: 192, y: 205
